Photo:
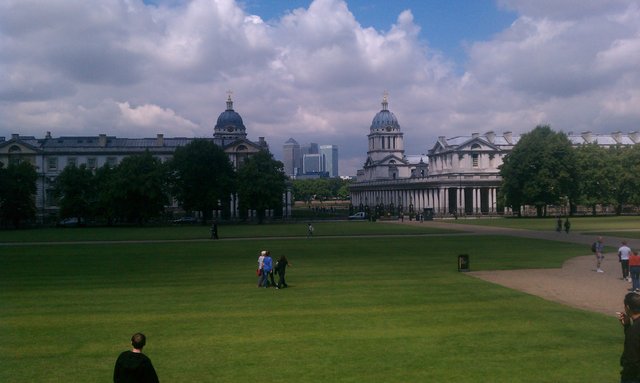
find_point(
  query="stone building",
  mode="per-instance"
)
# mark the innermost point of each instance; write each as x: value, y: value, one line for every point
x: 458, y: 176
x: 50, y: 155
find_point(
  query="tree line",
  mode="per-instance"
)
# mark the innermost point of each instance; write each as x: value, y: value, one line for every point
x: 199, y: 177
x: 320, y: 189
x: 544, y: 169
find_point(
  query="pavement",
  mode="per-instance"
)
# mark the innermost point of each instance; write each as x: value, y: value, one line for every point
x: 576, y: 284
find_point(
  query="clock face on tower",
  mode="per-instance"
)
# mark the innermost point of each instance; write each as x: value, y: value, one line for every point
x: 388, y: 128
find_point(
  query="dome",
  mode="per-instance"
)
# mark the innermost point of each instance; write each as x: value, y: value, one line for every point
x: 229, y: 120
x: 385, y: 119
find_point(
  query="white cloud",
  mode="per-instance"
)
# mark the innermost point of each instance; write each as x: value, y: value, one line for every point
x: 129, y: 69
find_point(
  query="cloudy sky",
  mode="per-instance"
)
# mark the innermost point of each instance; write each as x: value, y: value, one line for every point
x: 317, y: 70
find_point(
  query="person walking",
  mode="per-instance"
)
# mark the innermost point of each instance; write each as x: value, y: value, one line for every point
x: 559, y: 225
x: 281, y: 269
x: 597, y: 248
x: 310, y: 230
x: 623, y: 256
x: 214, y: 230
x: 260, y: 271
x: 567, y: 225
x: 630, y: 321
x: 634, y: 270
x: 267, y: 270
x: 134, y: 366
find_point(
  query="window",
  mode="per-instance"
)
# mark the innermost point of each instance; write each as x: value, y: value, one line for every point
x: 475, y: 158
x: 113, y: 161
x: 14, y: 155
x: 52, y: 163
x: 92, y: 162
x: 72, y: 161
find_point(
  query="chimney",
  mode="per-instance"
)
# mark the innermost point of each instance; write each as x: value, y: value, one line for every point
x: 508, y: 137
x: 48, y: 136
x: 491, y: 136
x: 586, y: 136
x: 160, y: 139
x: 15, y: 136
x: 261, y: 141
x: 102, y: 140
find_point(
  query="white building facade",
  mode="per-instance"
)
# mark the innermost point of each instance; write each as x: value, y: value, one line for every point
x: 459, y: 176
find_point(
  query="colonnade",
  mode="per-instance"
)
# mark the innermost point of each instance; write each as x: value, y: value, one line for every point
x: 443, y: 200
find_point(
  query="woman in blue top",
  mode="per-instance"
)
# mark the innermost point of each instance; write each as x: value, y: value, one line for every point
x: 267, y: 269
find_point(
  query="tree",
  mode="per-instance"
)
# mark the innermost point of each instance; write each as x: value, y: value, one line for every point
x: 17, y: 193
x: 202, y: 175
x: 140, y: 188
x: 597, y: 169
x: 540, y: 171
x: 626, y: 165
x: 321, y: 188
x: 261, y: 183
x: 75, y: 190
x: 105, y: 197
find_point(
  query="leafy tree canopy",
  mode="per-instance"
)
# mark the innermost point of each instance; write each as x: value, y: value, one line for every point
x: 261, y: 183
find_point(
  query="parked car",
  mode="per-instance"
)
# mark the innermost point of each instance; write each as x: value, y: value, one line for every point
x: 185, y: 220
x: 358, y: 216
x: 70, y: 222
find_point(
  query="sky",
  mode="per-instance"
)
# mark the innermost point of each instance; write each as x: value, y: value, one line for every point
x: 316, y: 71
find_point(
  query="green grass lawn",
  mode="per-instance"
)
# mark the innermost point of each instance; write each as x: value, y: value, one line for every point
x: 388, y: 309
x: 592, y: 225
x: 188, y: 232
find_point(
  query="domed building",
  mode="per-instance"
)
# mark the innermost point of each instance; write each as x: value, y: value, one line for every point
x: 231, y: 135
x: 385, y: 156
x: 50, y: 155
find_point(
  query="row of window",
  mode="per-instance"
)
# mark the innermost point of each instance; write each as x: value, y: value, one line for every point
x: 53, y: 163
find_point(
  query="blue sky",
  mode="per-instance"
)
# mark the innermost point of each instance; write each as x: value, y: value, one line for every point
x: 447, y: 26
x: 316, y: 70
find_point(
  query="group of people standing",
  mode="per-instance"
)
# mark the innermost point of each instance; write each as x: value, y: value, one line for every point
x: 266, y: 270
x: 629, y: 262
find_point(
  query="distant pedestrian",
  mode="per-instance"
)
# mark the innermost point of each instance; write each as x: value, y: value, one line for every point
x: 267, y: 270
x: 567, y: 225
x: 281, y: 269
x: 310, y: 230
x: 630, y: 320
x: 623, y: 257
x: 559, y: 225
x: 134, y: 366
x: 634, y: 270
x: 260, y: 272
x: 597, y: 248
x: 214, y: 230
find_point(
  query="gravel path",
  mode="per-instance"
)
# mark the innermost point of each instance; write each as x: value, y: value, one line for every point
x: 576, y: 284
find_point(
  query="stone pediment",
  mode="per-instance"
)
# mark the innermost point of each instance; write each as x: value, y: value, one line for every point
x: 392, y: 160
x: 477, y: 143
x: 242, y: 145
x: 18, y: 146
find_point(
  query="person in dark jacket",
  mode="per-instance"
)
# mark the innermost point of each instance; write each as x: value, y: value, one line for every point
x: 134, y: 366
x: 281, y: 269
x: 630, y: 320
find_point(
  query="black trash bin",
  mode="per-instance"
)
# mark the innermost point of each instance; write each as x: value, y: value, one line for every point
x: 463, y: 262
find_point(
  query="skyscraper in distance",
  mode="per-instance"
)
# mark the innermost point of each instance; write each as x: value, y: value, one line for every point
x: 329, y: 160
x: 292, y: 158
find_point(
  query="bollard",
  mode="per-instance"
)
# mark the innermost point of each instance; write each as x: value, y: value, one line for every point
x: 463, y: 262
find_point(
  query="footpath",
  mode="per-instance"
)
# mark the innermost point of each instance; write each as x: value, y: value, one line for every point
x: 576, y: 284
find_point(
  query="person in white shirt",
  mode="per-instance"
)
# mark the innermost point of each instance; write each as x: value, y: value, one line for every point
x: 261, y: 279
x: 623, y: 256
